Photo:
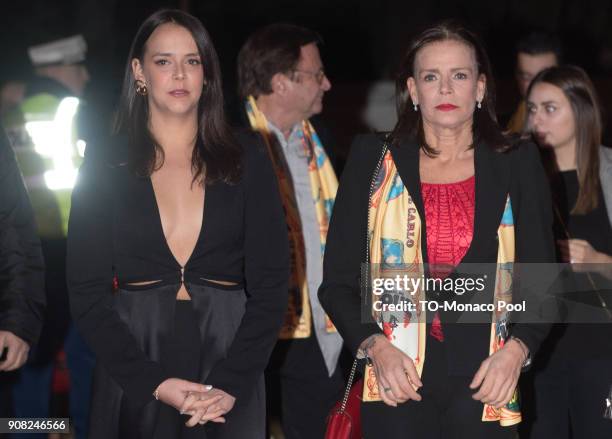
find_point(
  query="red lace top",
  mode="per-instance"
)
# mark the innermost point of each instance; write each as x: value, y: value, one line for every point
x: 449, y: 214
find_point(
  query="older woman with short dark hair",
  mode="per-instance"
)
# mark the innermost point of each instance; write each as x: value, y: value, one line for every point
x: 445, y: 187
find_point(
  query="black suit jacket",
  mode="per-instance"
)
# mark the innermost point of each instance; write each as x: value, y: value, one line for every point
x: 517, y: 172
x: 22, y: 283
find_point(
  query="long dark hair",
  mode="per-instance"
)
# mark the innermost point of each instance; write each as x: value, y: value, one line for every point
x: 216, y: 155
x: 410, y: 123
x: 580, y: 92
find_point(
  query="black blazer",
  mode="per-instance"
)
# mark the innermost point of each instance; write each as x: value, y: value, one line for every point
x: 115, y: 231
x: 517, y: 172
x: 22, y: 277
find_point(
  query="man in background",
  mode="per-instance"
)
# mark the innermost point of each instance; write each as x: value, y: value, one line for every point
x: 22, y: 289
x: 534, y: 52
x: 282, y: 83
x: 46, y: 136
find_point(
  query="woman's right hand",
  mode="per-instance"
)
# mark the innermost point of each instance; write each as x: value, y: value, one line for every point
x: 174, y: 391
x: 201, y: 409
x: 398, y: 380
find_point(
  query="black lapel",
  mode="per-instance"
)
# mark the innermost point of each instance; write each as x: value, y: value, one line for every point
x: 492, y: 171
x: 406, y: 159
x: 492, y: 174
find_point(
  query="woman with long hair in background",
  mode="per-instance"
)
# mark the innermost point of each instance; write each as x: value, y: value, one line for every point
x: 574, y: 374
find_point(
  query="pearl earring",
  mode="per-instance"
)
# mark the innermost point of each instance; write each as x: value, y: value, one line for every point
x: 416, y: 107
x: 479, y: 104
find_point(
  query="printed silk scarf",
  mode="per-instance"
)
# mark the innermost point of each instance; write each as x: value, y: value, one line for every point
x: 394, y: 231
x: 324, y: 185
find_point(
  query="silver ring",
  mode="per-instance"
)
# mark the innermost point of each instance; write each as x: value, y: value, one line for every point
x: 387, y: 389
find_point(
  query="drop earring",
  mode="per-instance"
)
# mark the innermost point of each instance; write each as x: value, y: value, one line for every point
x: 416, y: 107
x: 141, y: 87
x: 479, y: 104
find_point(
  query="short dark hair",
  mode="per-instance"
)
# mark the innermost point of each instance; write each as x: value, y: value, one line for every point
x: 217, y: 155
x: 538, y: 43
x: 270, y: 50
x: 580, y: 92
x: 410, y: 124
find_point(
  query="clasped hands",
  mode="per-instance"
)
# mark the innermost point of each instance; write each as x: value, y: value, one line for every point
x: 204, y: 403
x: 398, y: 380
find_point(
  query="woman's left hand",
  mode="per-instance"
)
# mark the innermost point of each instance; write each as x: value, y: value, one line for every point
x: 197, y: 405
x: 498, y: 375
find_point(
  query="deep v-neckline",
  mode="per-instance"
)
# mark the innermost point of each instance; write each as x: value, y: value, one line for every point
x: 160, y: 226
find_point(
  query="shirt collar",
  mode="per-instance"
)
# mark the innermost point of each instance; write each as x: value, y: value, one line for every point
x: 281, y: 137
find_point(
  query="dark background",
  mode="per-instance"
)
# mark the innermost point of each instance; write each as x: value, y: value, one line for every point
x: 363, y: 39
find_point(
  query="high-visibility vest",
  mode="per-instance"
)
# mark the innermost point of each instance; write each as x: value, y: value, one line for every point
x: 44, y: 136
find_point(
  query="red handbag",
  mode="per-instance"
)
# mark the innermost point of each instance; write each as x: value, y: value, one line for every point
x: 344, y: 420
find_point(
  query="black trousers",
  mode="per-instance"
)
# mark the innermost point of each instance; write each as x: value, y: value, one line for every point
x: 446, y: 411
x: 568, y: 399
x: 181, y: 358
x: 6, y: 400
x: 298, y: 378
x: 187, y: 338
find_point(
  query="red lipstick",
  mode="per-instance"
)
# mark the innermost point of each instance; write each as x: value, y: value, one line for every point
x: 446, y: 107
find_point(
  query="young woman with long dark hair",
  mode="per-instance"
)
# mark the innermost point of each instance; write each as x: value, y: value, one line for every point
x: 188, y: 226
